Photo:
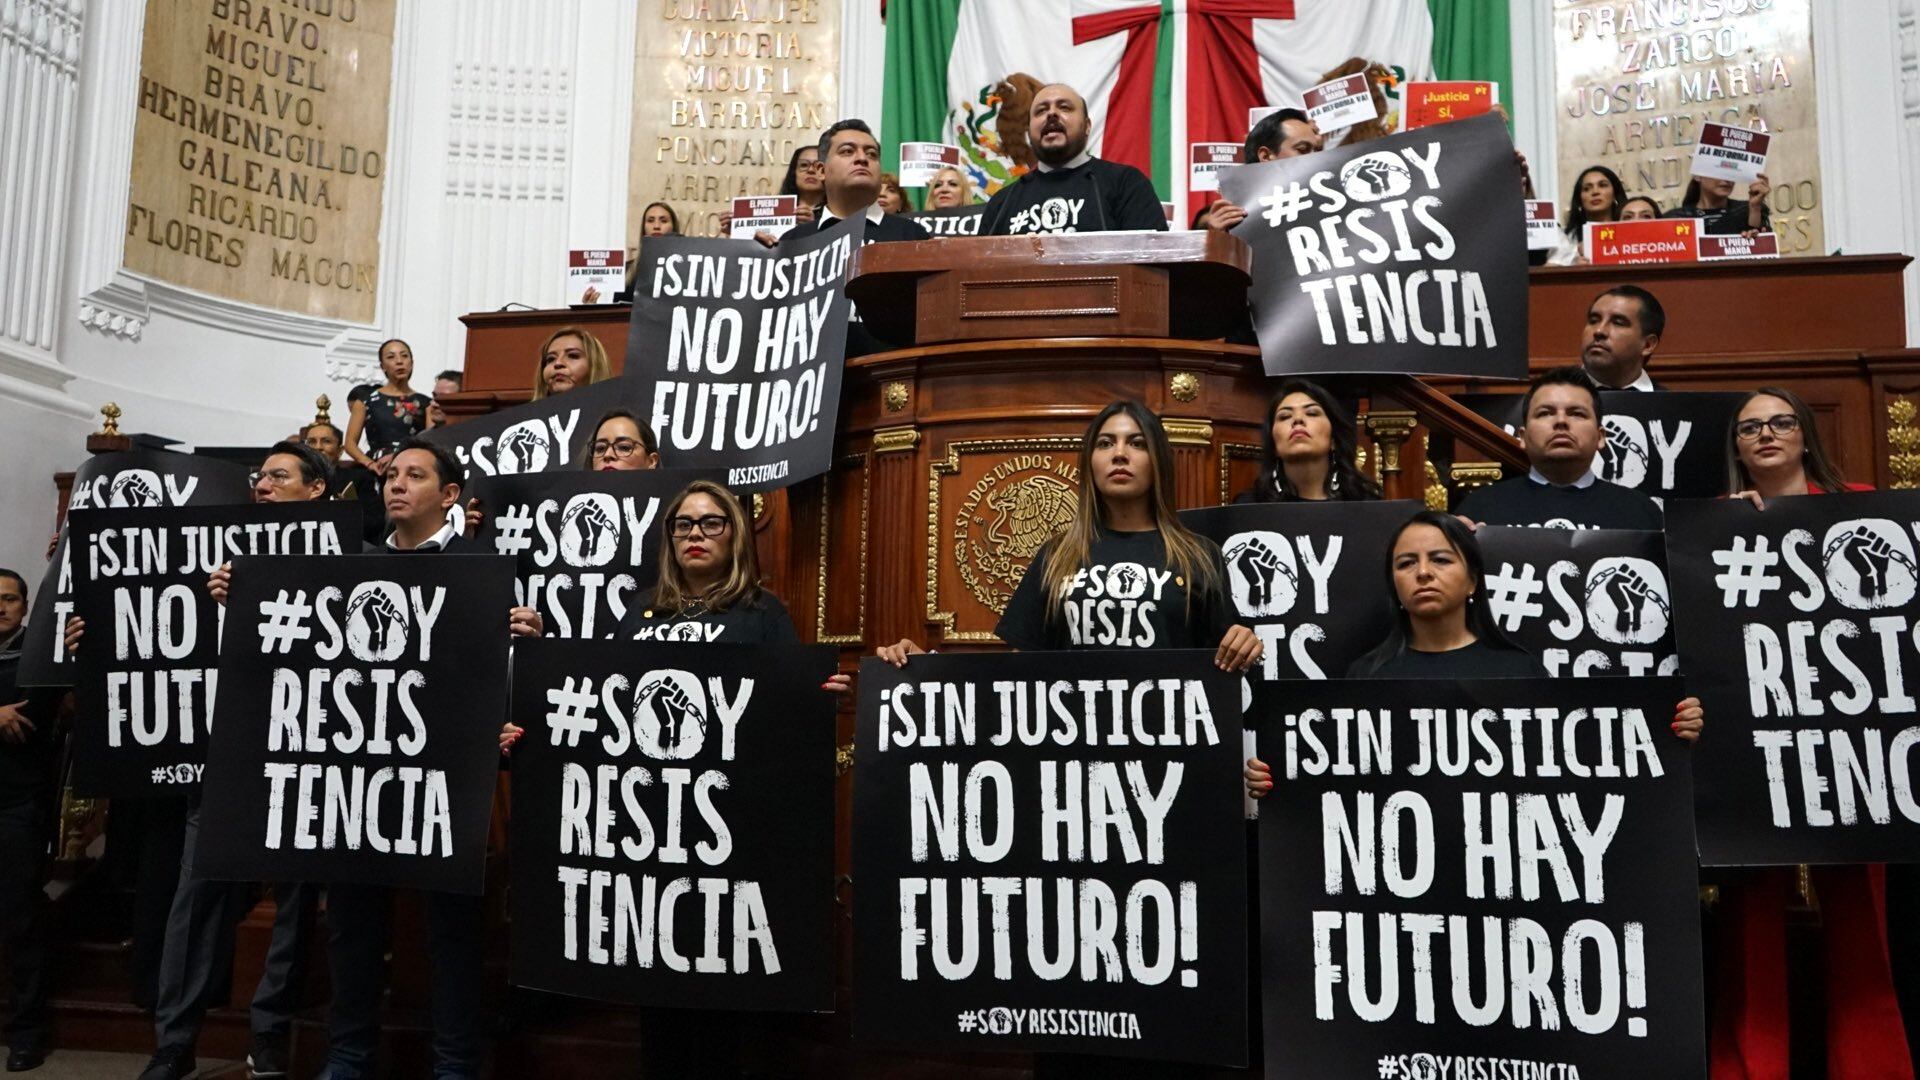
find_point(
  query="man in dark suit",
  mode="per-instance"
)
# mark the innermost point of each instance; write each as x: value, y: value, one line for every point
x: 1623, y: 330
x: 28, y: 763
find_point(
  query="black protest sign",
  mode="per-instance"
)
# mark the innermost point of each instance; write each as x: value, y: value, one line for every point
x: 1585, y: 601
x: 673, y: 824
x: 1479, y: 878
x: 1799, y: 630
x: 1306, y: 577
x: 145, y: 672
x: 547, y: 435
x: 952, y: 221
x: 357, y: 731
x: 1403, y: 254
x: 1050, y: 855
x: 741, y: 349
x: 1665, y: 444
x: 126, y: 479
x: 584, y: 543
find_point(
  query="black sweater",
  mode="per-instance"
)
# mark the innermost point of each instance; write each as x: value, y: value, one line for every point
x: 1600, y: 505
x: 1097, y: 196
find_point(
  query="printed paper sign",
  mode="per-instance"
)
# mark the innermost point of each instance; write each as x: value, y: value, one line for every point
x: 743, y: 348
x: 1669, y: 445
x: 357, y: 731
x: 920, y: 162
x: 1585, y: 601
x: 146, y: 675
x: 1543, y: 225
x: 1208, y: 158
x: 754, y: 214
x: 1341, y: 103
x: 1764, y: 245
x: 130, y: 478
x: 1429, y: 103
x: 953, y: 221
x: 1055, y: 845
x: 547, y: 435
x: 1796, y: 632
x: 1389, y: 255
x: 1259, y: 113
x: 595, y: 274
x: 1479, y: 879
x: 673, y: 824
x: 1725, y: 152
x: 1661, y: 240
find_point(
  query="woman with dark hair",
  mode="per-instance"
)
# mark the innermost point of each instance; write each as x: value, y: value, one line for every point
x: 658, y: 219
x: 620, y: 442
x: 807, y: 178
x: 1125, y: 539
x: 893, y: 199
x: 1774, y: 449
x: 1443, y: 627
x: 1711, y: 201
x: 1640, y: 208
x: 1309, y: 445
x: 388, y: 414
x: 1597, y: 195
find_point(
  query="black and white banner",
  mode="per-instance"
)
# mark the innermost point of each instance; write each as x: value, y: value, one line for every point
x: 1299, y: 574
x: 131, y: 478
x: 673, y: 824
x: 1800, y: 633
x: 1050, y: 855
x: 548, y: 435
x: 1666, y: 444
x: 740, y: 350
x: 952, y: 221
x: 1486, y: 878
x: 146, y: 668
x: 357, y: 731
x: 583, y: 543
x: 1405, y: 254
x: 1585, y: 601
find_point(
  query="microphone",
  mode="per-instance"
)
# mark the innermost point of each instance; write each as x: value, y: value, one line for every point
x: 511, y: 304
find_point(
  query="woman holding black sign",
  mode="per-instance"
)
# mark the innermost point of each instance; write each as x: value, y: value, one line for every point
x: 1774, y: 450
x: 1310, y: 444
x: 620, y: 442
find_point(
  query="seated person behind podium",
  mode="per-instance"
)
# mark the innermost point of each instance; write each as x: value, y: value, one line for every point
x: 1070, y: 190
x: 951, y: 188
x: 1286, y: 133
x: 1442, y: 626
x: 1124, y: 525
x: 569, y: 358
x: 1561, y: 434
x: 1597, y: 196
x: 1310, y: 444
x: 1712, y: 201
x: 1623, y: 330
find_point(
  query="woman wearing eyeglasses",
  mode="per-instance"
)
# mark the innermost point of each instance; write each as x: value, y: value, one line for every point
x: 1774, y: 449
x: 620, y: 442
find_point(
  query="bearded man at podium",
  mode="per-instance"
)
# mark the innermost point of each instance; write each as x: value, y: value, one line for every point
x: 1071, y: 191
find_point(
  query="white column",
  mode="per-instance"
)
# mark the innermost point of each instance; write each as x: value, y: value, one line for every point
x: 863, y: 55
x: 1532, y: 97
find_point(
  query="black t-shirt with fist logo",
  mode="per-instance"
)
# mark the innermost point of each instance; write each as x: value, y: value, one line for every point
x: 1525, y: 501
x: 762, y: 620
x: 1126, y: 597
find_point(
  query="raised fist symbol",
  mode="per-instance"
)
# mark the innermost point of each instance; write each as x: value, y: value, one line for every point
x: 135, y: 491
x: 1630, y: 594
x: 1870, y: 556
x: 589, y: 523
x: 517, y: 449
x: 382, y: 618
x: 1122, y: 579
x: 676, y: 710
x: 1622, y: 459
x: 1257, y: 564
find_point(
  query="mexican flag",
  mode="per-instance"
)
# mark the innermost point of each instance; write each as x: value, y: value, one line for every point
x: 1158, y: 75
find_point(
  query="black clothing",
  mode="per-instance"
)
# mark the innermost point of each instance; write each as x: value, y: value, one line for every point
x: 27, y: 768
x: 390, y: 420
x: 1729, y: 220
x: 1600, y: 505
x: 762, y: 620
x: 1476, y: 661
x: 1124, y: 598
x: 1096, y: 196
x: 891, y: 228
x: 27, y: 782
x: 1347, y: 493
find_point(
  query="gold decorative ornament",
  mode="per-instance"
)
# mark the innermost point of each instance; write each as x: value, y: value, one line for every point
x: 110, y: 424
x: 1903, y: 443
x: 1436, y: 491
x: 1390, y: 430
x: 1229, y: 453
x: 894, y: 394
x: 1474, y: 474
x: 1188, y: 432
x: 895, y: 439
x: 842, y: 759
x: 323, y: 410
x: 1001, y: 522
x: 821, y: 590
x: 1184, y: 386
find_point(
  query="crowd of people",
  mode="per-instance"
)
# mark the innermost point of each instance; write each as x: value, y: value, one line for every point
x: 418, y: 498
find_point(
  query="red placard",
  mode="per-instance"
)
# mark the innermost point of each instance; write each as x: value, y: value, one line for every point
x: 1428, y: 103
x: 1662, y: 240
x: 1764, y: 245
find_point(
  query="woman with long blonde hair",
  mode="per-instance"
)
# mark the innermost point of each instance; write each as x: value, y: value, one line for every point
x: 569, y: 358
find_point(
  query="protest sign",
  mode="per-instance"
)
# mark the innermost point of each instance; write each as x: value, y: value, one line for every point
x: 920, y: 162
x: 550, y: 434
x: 1208, y: 158
x: 145, y: 671
x: 755, y: 214
x: 584, y: 543
x: 1341, y: 103
x: 953, y: 221
x: 601, y: 270
x: 1390, y: 255
x: 1797, y: 632
x: 1050, y: 855
x: 1725, y: 152
x: 1299, y: 574
x: 1479, y: 878
x: 1764, y: 245
x: 673, y: 824
x: 1625, y: 243
x: 129, y: 478
x: 1430, y: 103
x: 1585, y: 601
x: 1670, y: 444
x: 356, y: 734
x: 739, y: 351
x: 1543, y: 225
